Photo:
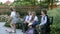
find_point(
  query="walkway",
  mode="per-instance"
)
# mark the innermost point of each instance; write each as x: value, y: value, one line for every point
x: 2, y: 30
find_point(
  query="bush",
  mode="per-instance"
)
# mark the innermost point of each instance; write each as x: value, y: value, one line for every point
x: 24, y: 9
x: 56, y: 20
x: 18, y: 25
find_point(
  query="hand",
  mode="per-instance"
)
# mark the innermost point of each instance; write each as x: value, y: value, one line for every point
x: 41, y: 26
x: 24, y: 22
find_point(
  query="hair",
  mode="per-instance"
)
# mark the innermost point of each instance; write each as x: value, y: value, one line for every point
x: 28, y: 12
x: 11, y: 9
x: 34, y: 13
x: 44, y: 11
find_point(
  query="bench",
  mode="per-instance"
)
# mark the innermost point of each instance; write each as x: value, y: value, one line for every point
x: 37, y: 28
x: 51, y: 22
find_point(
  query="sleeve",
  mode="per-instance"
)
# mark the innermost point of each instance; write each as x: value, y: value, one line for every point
x: 13, y: 14
x: 44, y: 21
x: 26, y: 18
x: 36, y: 18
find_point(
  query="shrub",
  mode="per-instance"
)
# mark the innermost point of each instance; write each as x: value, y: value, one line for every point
x: 56, y: 20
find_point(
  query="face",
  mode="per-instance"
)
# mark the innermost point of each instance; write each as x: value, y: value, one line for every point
x: 42, y: 13
x: 30, y: 26
x: 33, y: 14
x: 29, y: 13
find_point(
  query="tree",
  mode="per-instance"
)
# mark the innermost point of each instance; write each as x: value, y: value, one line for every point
x: 1, y: 3
x: 24, y: 2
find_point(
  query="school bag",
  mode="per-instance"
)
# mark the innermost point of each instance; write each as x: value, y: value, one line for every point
x: 30, y: 31
x: 48, y: 21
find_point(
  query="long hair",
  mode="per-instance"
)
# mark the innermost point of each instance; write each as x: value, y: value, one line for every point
x: 34, y: 14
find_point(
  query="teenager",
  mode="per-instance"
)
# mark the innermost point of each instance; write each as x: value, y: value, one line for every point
x: 34, y: 19
x: 28, y: 17
x: 14, y: 19
x: 33, y: 22
x: 44, y: 20
x: 26, y: 20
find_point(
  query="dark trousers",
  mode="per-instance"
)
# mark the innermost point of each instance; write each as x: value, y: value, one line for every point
x: 45, y: 29
x: 24, y: 27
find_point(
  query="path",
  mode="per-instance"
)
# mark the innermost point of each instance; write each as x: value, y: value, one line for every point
x: 2, y: 30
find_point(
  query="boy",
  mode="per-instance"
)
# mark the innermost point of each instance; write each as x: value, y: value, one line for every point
x: 44, y: 20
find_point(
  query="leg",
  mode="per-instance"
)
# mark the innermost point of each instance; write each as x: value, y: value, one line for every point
x: 39, y: 30
x: 35, y: 23
x: 14, y: 26
x: 24, y: 26
x: 11, y: 24
x: 45, y: 30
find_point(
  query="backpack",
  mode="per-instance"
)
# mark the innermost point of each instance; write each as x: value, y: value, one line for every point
x: 48, y: 21
x: 47, y: 25
x: 30, y: 31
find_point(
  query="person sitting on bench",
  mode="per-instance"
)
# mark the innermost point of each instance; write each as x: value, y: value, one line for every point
x: 44, y: 22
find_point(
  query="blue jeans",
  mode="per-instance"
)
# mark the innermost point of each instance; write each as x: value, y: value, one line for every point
x: 35, y: 23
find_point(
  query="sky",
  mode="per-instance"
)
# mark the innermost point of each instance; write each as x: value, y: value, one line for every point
x: 3, y: 1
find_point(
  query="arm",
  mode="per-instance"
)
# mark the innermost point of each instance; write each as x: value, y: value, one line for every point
x: 9, y: 19
x: 44, y: 21
x: 27, y: 19
x: 35, y: 19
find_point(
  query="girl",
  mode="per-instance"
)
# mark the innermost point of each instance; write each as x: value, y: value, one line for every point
x: 33, y: 22
x: 28, y: 17
x: 34, y: 19
x: 14, y: 20
x: 26, y: 21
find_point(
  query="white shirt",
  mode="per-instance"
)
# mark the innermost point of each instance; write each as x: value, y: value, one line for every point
x: 36, y: 18
x: 13, y: 14
x: 28, y: 18
x: 43, y: 21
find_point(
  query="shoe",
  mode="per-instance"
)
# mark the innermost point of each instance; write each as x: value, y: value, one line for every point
x: 9, y: 31
x: 13, y: 31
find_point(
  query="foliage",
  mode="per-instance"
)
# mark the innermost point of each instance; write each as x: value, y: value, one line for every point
x: 31, y: 2
x: 3, y: 18
x: 56, y: 21
x: 18, y: 25
x: 55, y: 27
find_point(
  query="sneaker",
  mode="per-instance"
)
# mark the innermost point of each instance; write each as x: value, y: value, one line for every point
x: 13, y: 31
x: 9, y: 31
